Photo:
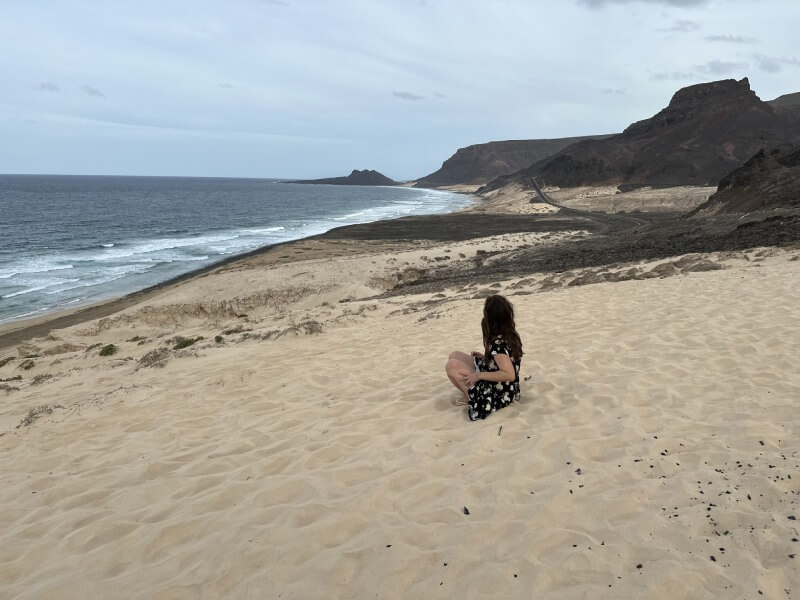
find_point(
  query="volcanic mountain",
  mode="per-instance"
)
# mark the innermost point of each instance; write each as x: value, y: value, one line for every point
x: 356, y: 177
x: 786, y: 102
x: 707, y: 130
x: 480, y: 163
x: 770, y: 179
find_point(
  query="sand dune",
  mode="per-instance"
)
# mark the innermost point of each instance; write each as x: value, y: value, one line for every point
x: 313, y: 451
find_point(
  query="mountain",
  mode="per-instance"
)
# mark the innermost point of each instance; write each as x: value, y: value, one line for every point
x: 480, y: 163
x: 785, y: 102
x: 706, y: 130
x: 356, y: 177
x: 770, y: 179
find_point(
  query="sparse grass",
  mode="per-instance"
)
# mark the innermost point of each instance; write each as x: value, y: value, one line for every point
x: 155, y: 358
x: 35, y: 413
x: 41, y: 378
x: 137, y: 338
x: 108, y: 350
x: 27, y: 365
x: 232, y: 330
x: 14, y: 378
x: 8, y: 388
x: 6, y: 360
x: 182, y: 342
x: 31, y: 356
x: 219, y: 339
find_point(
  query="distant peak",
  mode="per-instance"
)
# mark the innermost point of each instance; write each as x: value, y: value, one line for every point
x: 702, y: 92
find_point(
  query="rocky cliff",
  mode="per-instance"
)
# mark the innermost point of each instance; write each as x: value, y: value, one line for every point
x: 705, y: 131
x: 356, y: 177
x: 770, y: 179
x: 480, y: 163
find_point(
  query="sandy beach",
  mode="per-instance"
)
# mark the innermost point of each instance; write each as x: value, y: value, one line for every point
x: 281, y: 426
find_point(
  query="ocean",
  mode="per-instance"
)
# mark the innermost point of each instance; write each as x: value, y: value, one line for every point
x: 66, y: 241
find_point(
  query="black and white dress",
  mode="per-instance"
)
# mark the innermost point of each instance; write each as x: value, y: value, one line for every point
x: 488, y: 396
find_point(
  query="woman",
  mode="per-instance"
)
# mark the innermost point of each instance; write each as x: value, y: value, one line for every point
x: 489, y: 380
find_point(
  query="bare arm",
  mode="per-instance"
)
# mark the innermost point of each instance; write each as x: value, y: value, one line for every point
x: 506, y: 372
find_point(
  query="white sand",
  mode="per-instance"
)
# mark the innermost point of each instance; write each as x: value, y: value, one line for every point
x: 287, y: 462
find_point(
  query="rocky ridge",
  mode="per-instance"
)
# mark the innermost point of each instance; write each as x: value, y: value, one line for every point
x: 480, y: 163
x: 769, y: 180
x: 356, y: 177
x: 706, y: 130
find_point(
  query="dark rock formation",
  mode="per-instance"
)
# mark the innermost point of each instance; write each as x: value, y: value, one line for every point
x: 770, y: 179
x: 707, y: 130
x: 788, y: 107
x: 356, y: 177
x: 480, y: 163
x: 786, y: 102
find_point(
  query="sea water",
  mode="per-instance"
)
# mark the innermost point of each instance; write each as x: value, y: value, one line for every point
x: 72, y: 240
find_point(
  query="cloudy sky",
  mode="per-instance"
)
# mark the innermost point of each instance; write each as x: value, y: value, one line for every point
x: 314, y: 88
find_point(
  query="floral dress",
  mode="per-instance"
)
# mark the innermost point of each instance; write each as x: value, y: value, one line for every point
x: 488, y: 396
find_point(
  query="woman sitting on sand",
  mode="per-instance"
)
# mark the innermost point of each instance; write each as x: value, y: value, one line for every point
x: 489, y: 380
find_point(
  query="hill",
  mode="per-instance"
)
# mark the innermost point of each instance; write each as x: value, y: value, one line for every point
x: 356, y: 177
x: 770, y: 179
x: 706, y: 130
x: 787, y: 101
x: 481, y: 163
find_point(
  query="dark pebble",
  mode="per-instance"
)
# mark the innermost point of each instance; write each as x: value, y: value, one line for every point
x: 712, y: 558
x: 639, y: 566
x: 466, y: 510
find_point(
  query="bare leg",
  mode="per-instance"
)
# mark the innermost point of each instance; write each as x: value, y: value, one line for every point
x: 458, y: 366
x: 464, y: 358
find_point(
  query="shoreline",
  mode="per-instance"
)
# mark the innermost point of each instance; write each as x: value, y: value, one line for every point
x: 612, y: 239
x: 18, y: 330
x: 257, y: 402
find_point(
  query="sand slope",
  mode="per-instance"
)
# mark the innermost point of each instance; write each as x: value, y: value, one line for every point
x: 658, y: 429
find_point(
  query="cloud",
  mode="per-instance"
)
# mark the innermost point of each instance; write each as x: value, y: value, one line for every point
x: 615, y: 91
x: 721, y: 67
x: 731, y: 39
x: 407, y: 96
x: 673, y: 76
x: 675, y: 3
x: 48, y: 86
x: 772, y: 64
x: 439, y: 95
x: 227, y: 86
x: 683, y: 26
x: 92, y: 91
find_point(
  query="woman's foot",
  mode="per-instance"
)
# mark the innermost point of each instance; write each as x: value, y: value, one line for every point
x: 460, y: 402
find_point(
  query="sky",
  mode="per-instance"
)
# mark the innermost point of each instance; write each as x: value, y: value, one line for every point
x: 316, y: 88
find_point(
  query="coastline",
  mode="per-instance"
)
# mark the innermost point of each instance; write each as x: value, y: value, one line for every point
x: 292, y: 408
x: 19, y: 330
x: 508, y: 213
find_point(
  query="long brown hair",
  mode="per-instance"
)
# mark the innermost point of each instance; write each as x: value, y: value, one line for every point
x: 498, y: 321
